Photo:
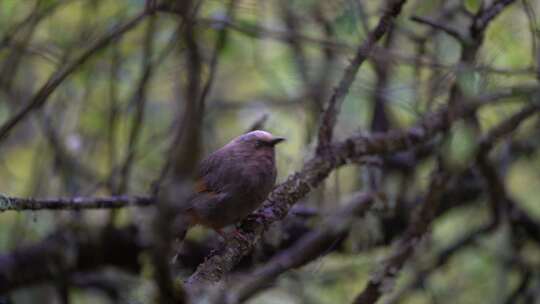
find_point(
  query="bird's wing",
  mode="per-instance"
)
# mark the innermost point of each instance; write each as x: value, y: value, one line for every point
x: 220, y: 172
x: 204, y: 189
x: 209, y: 178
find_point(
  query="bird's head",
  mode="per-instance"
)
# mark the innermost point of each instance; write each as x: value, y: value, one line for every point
x: 258, y: 141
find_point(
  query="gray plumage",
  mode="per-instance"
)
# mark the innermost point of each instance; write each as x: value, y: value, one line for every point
x: 234, y: 180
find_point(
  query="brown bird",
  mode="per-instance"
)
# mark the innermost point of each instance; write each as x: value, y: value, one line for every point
x: 234, y: 180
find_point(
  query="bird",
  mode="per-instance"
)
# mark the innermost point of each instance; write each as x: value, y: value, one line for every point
x: 233, y: 181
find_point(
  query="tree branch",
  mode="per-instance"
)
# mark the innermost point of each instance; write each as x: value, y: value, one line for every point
x: 443, y: 27
x: 8, y: 203
x: 381, y: 281
x: 484, y: 17
x: 40, y: 98
x: 68, y: 251
x: 305, y: 250
x: 329, y: 116
x: 314, y: 171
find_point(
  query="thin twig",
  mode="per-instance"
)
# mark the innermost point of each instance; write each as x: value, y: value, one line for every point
x: 42, y: 95
x: 305, y: 250
x: 331, y: 112
x: 443, y: 27
x: 9, y: 203
x: 382, y: 281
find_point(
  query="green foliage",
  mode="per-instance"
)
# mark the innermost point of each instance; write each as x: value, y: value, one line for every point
x: 460, y: 147
x: 473, y: 6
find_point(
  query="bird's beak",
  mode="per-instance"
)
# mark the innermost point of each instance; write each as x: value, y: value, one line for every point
x: 276, y: 140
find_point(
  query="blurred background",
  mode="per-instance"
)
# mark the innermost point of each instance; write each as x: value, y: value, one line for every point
x: 107, y: 127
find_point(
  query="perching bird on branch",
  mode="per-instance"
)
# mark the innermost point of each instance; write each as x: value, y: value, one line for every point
x: 234, y: 180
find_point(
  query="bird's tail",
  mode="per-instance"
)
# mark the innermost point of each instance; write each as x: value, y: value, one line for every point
x: 183, y: 223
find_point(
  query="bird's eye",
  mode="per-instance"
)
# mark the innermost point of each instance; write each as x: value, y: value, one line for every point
x: 260, y: 144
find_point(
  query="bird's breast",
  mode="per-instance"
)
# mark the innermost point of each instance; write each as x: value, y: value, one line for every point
x: 260, y: 176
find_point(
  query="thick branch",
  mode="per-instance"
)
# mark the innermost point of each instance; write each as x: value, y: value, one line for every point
x: 314, y: 171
